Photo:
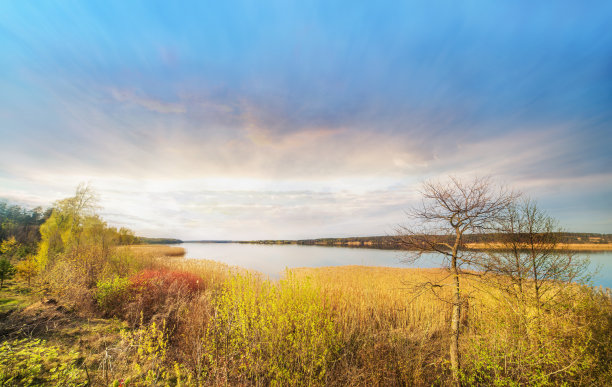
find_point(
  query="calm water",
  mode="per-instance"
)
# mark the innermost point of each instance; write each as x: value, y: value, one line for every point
x: 272, y: 260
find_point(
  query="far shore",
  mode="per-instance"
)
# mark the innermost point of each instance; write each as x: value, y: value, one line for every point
x: 582, y: 247
x: 563, y: 246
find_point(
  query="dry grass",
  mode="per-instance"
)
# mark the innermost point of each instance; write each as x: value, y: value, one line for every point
x: 159, y: 250
x: 387, y: 326
x: 213, y: 273
x: 562, y: 246
x: 587, y: 246
x: 380, y: 298
x: 393, y: 298
x: 394, y: 329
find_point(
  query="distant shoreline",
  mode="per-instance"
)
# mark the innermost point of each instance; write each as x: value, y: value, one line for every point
x: 561, y: 246
x: 387, y: 245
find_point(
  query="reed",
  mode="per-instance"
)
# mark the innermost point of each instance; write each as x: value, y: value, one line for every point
x: 561, y: 246
x: 158, y: 250
x: 348, y: 325
x: 213, y: 273
x: 395, y: 325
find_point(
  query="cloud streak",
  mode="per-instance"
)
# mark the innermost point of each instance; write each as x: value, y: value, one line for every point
x: 303, y: 120
x: 151, y: 104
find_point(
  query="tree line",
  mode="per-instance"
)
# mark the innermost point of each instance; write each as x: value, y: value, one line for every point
x: 30, y: 239
x: 390, y: 242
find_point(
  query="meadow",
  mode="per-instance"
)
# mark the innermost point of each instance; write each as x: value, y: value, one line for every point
x: 159, y: 319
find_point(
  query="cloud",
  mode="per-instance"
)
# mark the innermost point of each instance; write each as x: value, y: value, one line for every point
x: 216, y: 125
x: 151, y: 104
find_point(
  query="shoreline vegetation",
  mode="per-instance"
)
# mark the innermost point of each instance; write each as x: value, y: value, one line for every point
x: 174, y: 321
x: 480, y: 242
x: 83, y: 304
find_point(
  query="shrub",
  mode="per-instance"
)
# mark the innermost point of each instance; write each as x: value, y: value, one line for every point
x: 160, y: 292
x: 562, y: 349
x: 27, y: 269
x: 149, y: 345
x: 32, y: 362
x: 148, y: 278
x: 266, y: 332
x: 127, y: 260
x: 112, y: 295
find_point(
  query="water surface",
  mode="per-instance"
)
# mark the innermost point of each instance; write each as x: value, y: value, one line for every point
x: 272, y: 260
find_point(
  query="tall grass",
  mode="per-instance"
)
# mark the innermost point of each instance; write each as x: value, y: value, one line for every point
x: 379, y: 298
x: 157, y: 250
x: 394, y: 330
x: 206, y: 323
x: 264, y: 331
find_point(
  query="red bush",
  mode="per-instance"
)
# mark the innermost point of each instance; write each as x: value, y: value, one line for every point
x: 161, y: 293
x: 166, y: 278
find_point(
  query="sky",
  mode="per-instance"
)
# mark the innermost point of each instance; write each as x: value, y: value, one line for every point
x: 289, y: 120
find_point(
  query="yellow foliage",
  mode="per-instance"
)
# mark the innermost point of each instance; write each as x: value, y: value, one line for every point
x: 27, y: 269
x: 269, y: 332
x: 8, y: 246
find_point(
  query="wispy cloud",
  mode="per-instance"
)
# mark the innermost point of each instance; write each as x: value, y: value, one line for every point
x: 217, y: 124
x: 154, y: 105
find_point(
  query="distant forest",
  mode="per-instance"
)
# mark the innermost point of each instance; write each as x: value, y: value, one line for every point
x: 158, y: 241
x: 23, y: 224
x: 392, y: 243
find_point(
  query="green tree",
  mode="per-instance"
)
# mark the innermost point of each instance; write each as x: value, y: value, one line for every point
x: 7, y: 270
x: 62, y: 231
x: 21, y: 223
x: 8, y: 249
x: 126, y: 236
x: 75, y: 240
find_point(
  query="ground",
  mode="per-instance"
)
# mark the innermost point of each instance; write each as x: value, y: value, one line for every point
x: 24, y: 314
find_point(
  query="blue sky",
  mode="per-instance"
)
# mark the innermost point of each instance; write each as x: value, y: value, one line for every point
x: 248, y: 120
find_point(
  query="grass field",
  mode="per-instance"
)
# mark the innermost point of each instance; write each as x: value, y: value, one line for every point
x: 170, y: 321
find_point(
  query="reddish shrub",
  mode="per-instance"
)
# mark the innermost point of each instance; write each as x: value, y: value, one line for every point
x: 160, y: 293
x: 146, y: 278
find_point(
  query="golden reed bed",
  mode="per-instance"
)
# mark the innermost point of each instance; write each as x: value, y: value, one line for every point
x: 159, y: 250
x: 566, y: 246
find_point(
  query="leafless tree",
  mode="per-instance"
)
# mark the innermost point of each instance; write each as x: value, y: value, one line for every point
x: 448, y: 211
x: 531, y: 266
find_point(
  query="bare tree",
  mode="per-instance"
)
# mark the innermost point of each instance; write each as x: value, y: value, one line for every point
x: 532, y: 268
x: 448, y: 211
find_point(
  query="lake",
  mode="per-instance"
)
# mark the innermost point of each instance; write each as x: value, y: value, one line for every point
x: 272, y: 260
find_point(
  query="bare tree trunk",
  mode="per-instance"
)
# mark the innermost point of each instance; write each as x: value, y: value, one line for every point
x: 456, y: 317
x: 454, y: 207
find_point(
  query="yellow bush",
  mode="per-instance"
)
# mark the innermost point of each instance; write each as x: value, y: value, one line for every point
x: 27, y: 269
x: 270, y: 332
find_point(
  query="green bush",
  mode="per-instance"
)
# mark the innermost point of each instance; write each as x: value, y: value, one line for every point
x: 111, y: 295
x: 266, y: 332
x: 29, y: 362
